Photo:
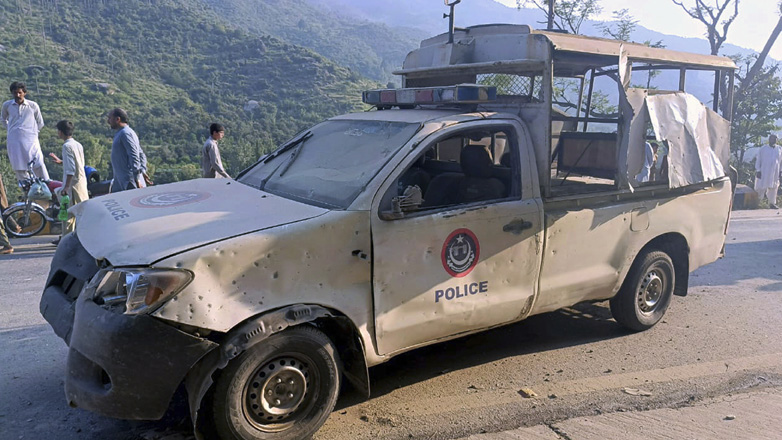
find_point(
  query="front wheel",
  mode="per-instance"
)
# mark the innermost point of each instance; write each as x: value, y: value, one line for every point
x: 30, y: 221
x: 646, y: 292
x: 283, y: 388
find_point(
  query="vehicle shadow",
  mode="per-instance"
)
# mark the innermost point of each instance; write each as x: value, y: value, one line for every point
x: 38, y: 246
x: 740, y: 263
x: 581, y: 324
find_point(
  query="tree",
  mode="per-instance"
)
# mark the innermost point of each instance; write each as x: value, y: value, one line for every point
x: 622, y: 28
x: 756, y: 113
x: 565, y: 15
x: 758, y: 94
x: 714, y: 19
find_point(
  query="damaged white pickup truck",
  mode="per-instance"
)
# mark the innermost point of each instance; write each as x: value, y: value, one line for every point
x: 515, y: 173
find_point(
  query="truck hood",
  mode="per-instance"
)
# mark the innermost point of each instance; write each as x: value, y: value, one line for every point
x: 141, y: 226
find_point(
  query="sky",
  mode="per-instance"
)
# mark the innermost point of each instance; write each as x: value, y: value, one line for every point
x: 751, y: 28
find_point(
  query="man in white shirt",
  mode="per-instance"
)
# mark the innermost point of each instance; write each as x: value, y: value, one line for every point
x: 767, y: 167
x: 75, y: 182
x: 22, y: 118
x: 211, y: 164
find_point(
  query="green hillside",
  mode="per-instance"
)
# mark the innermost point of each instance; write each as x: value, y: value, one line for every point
x: 176, y: 68
x: 372, y: 49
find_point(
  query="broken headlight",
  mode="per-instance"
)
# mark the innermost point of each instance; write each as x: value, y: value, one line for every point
x: 137, y: 291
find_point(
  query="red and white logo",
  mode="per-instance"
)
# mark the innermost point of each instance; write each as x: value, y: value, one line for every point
x: 460, y: 252
x: 169, y: 199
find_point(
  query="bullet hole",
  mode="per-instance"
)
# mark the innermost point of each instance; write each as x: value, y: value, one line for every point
x: 256, y: 264
x: 200, y: 298
x: 233, y: 282
x: 276, y: 274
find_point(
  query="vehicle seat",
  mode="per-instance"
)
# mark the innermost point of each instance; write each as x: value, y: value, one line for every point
x: 474, y: 184
x: 478, y: 183
x: 415, y: 176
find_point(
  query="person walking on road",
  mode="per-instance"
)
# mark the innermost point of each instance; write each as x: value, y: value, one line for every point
x: 6, y: 245
x: 767, y: 167
x: 22, y: 118
x: 125, y: 153
x: 75, y: 185
x: 211, y: 164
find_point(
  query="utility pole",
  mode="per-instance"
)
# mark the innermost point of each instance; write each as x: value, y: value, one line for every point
x: 550, y: 15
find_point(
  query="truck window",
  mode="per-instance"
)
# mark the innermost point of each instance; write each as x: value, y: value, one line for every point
x: 472, y: 166
x: 584, y: 134
x: 332, y: 163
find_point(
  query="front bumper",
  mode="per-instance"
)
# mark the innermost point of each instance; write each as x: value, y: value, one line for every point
x: 124, y: 366
x: 119, y: 365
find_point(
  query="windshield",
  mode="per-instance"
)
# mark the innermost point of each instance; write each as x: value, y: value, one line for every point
x: 332, y: 163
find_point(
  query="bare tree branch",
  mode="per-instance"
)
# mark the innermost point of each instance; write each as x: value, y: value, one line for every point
x: 712, y: 17
x: 756, y: 67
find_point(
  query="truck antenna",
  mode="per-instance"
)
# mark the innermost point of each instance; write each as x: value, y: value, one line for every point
x: 450, y: 22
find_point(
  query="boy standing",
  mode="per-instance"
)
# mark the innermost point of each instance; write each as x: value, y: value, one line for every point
x: 75, y: 185
x: 211, y: 164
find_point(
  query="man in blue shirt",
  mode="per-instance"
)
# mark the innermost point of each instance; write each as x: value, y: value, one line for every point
x: 125, y: 153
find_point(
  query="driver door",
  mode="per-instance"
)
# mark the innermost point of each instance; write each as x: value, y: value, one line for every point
x: 445, y: 270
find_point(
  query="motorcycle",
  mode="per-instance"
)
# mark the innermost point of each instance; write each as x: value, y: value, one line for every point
x: 29, y: 217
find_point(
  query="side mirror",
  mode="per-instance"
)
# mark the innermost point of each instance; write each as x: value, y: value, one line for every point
x: 396, y: 210
x: 410, y: 200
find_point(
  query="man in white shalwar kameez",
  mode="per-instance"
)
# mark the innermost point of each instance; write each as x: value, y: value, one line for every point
x: 22, y: 118
x: 767, y: 167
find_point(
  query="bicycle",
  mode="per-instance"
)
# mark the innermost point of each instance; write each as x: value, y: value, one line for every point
x: 30, y: 217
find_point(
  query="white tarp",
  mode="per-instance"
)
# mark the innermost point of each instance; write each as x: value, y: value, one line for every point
x: 634, y: 123
x: 698, y: 138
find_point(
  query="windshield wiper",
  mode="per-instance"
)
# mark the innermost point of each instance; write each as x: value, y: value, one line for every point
x: 287, y: 146
x: 294, y: 155
x: 284, y: 148
x: 276, y: 153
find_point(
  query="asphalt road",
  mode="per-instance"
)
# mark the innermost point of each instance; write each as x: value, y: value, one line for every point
x: 723, y: 338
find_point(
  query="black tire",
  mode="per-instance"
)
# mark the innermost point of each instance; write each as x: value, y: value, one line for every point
x: 646, y: 292
x: 33, y: 224
x: 283, y: 388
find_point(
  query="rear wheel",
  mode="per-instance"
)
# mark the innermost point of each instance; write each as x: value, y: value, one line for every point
x: 30, y: 221
x: 283, y: 388
x: 646, y: 292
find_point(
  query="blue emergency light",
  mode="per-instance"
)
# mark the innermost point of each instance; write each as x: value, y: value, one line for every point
x: 457, y: 94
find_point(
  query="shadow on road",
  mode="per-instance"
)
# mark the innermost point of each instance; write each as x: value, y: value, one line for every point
x: 741, y: 263
x: 30, y: 251
x: 577, y: 325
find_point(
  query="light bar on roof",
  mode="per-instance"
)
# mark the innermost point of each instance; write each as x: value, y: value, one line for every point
x: 457, y: 94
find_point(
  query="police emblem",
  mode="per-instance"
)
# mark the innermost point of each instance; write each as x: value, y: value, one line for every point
x: 169, y: 199
x: 460, y: 252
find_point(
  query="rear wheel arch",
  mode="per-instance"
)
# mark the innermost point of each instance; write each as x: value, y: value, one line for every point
x: 676, y: 246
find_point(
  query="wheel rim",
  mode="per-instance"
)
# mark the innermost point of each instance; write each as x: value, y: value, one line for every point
x: 276, y: 392
x: 651, y: 290
x: 31, y: 222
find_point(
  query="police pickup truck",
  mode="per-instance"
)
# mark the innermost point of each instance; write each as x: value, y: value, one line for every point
x: 472, y: 197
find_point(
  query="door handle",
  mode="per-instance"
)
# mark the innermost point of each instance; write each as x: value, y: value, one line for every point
x: 517, y: 226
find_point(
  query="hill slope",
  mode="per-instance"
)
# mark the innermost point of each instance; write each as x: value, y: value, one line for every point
x: 175, y: 68
x: 370, y: 48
